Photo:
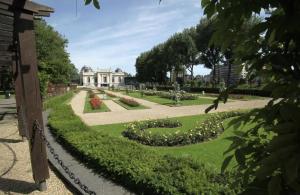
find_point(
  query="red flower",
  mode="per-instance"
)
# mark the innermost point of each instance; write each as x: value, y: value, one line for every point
x: 95, y: 103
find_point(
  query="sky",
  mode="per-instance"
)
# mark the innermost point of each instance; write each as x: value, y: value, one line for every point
x: 115, y: 35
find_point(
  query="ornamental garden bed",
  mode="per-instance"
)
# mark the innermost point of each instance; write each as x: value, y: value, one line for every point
x: 144, y: 169
x: 128, y: 107
x: 207, y: 130
x: 170, y: 102
x: 99, y: 105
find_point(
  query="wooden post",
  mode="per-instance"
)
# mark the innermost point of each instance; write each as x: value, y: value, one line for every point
x: 31, y: 93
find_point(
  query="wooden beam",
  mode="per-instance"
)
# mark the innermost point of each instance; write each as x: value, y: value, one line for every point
x: 27, y: 5
x: 25, y: 36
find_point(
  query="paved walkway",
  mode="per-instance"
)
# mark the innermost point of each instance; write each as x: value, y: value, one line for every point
x: 156, y: 111
x: 15, y: 166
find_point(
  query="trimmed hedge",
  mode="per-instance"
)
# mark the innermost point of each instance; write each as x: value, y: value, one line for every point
x: 139, y: 168
x: 130, y: 102
x: 255, y: 92
x: 207, y: 130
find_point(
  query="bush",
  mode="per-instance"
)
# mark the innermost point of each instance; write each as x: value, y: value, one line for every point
x: 150, y: 92
x: 111, y: 95
x: 210, y: 128
x: 256, y: 92
x: 143, y: 170
x: 95, y: 103
x: 130, y: 102
x: 183, y: 95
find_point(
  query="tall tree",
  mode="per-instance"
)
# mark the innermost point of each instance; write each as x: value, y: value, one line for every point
x: 54, y: 64
x: 210, y: 54
x: 268, y: 153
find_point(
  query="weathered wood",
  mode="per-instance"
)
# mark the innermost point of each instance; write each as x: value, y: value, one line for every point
x: 4, y: 7
x: 5, y: 46
x: 5, y: 33
x: 6, y: 12
x: 6, y: 27
x: 31, y: 91
x: 9, y: 58
x: 6, y: 53
x: 28, y: 6
x: 6, y: 20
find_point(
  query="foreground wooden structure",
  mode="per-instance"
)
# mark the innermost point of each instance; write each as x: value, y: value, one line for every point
x: 18, y: 56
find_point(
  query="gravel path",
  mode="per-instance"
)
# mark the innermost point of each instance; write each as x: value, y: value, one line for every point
x: 15, y: 166
x: 156, y: 111
x: 114, y: 107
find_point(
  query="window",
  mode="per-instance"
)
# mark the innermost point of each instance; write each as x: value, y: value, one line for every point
x: 113, y: 79
x: 105, y: 79
x: 88, y: 80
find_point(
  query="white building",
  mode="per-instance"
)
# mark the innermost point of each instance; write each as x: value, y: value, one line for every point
x: 101, y: 77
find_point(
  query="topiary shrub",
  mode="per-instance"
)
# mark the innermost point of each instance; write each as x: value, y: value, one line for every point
x: 208, y: 129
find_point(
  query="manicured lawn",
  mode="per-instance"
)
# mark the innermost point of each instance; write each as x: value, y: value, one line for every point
x: 130, y: 107
x: 238, y: 97
x: 169, y: 102
x: 88, y: 108
x: 192, y: 169
x: 210, y: 153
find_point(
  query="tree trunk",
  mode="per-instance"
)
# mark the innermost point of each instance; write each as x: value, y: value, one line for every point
x: 228, y: 75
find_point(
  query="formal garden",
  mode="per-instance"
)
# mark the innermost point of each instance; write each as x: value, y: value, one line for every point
x: 164, y: 156
x: 251, y: 147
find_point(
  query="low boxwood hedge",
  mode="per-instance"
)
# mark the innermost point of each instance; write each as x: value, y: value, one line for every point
x: 207, y: 130
x: 141, y: 169
x: 255, y: 92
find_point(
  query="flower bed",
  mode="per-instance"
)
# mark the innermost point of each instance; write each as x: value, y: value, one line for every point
x: 95, y: 103
x: 110, y: 94
x: 141, y: 169
x: 209, y: 129
x: 183, y: 95
x: 150, y: 92
x: 129, y: 102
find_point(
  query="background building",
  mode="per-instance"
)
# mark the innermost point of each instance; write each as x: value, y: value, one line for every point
x: 101, y: 77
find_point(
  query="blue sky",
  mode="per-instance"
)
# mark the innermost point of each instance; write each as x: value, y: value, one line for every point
x: 117, y: 33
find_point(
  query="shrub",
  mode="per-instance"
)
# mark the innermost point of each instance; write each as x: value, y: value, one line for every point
x: 129, y: 102
x: 150, y: 92
x: 143, y: 170
x: 110, y: 94
x: 183, y: 95
x: 95, y: 103
x: 210, y: 128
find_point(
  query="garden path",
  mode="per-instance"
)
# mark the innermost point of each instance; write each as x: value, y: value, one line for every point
x: 114, y: 107
x: 156, y: 111
x: 15, y: 166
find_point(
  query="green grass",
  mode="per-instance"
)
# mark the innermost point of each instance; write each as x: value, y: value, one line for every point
x: 140, y: 107
x: 168, y: 102
x: 88, y: 108
x: 210, y: 153
x: 236, y: 97
x: 145, y: 169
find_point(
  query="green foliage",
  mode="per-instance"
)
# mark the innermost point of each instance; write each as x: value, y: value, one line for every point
x: 54, y: 64
x: 207, y: 130
x: 143, y: 170
x: 270, y: 49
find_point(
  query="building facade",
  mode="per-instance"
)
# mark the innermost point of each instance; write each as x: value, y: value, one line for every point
x: 101, y: 77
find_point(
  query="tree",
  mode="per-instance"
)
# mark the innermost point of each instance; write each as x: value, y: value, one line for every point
x: 268, y: 153
x: 210, y: 54
x: 54, y: 64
